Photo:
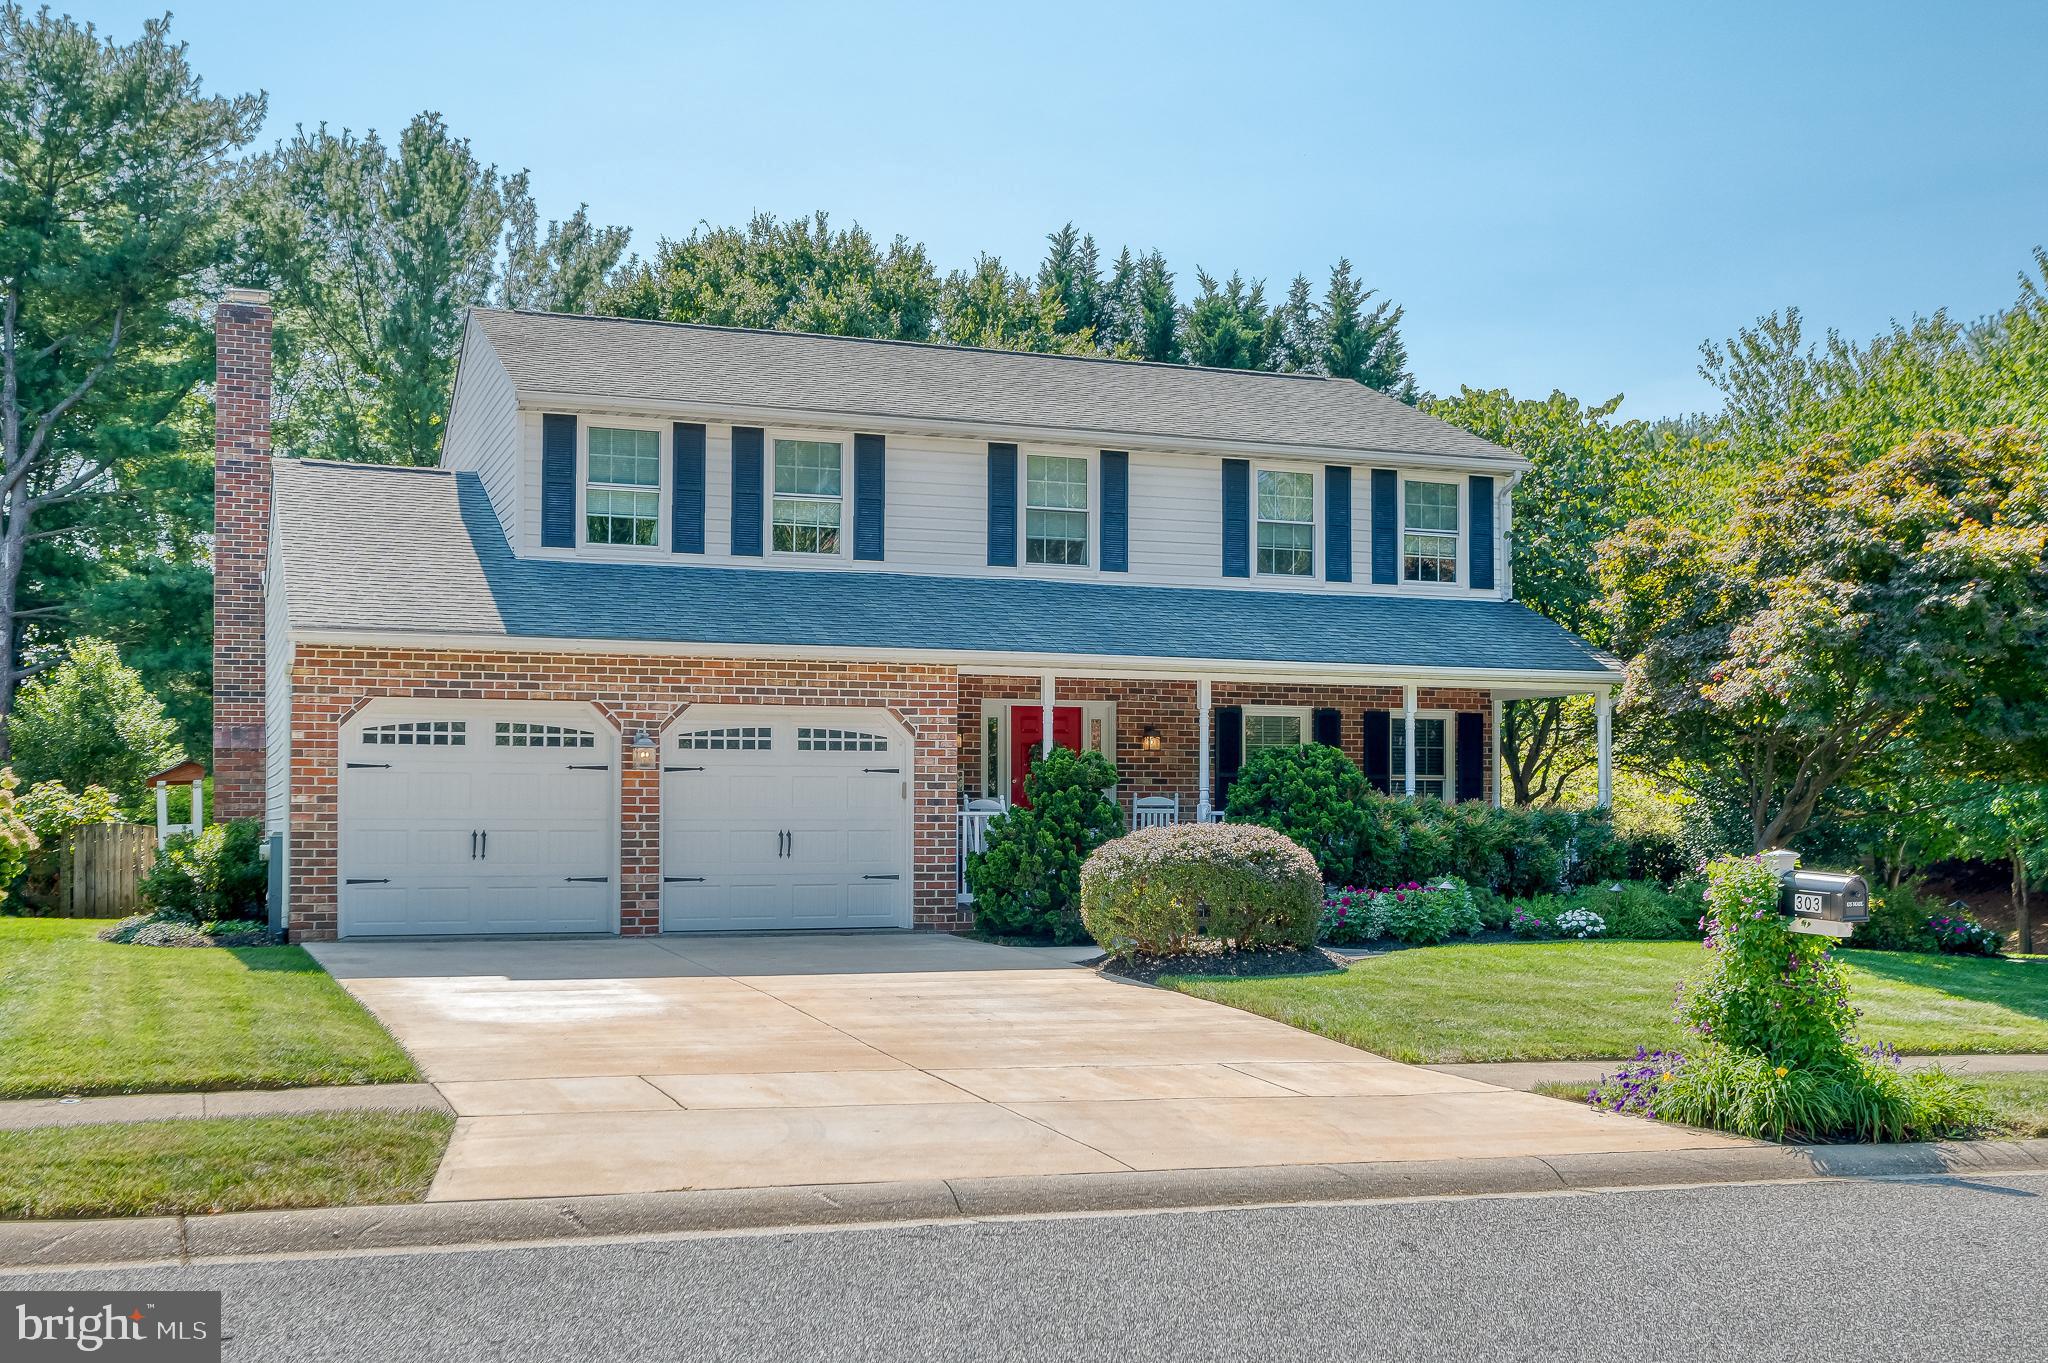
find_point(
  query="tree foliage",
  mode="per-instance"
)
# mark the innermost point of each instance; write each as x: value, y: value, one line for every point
x: 89, y: 722
x: 1848, y: 606
x: 114, y: 180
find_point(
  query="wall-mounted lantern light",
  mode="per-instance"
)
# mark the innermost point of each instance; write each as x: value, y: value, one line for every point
x: 1150, y: 741
x: 646, y: 750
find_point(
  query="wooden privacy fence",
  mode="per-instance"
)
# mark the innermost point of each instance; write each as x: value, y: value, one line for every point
x: 102, y: 870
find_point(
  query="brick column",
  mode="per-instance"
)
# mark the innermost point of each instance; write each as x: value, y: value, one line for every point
x: 241, y: 544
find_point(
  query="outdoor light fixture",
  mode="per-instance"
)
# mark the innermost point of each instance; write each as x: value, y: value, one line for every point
x: 1150, y: 740
x: 646, y: 751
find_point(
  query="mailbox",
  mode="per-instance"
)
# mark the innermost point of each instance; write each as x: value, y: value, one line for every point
x: 1824, y: 896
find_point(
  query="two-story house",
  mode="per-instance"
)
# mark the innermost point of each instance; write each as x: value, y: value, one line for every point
x: 710, y: 629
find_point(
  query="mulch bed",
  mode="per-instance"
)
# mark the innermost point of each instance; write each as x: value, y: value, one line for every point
x: 1217, y: 961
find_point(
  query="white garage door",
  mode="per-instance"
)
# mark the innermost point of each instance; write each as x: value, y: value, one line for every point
x: 785, y: 819
x: 481, y: 820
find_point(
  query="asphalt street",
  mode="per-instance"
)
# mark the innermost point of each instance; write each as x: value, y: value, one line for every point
x: 1848, y: 1271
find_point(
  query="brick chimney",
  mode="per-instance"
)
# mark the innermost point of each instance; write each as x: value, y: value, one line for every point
x: 241, y: 544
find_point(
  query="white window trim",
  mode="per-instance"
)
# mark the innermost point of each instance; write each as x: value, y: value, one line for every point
x: 843, y: 439
x: 661, y: 490
x: 1463, y: 488
x: 1315, y: 523
x: 1400, y: 774
x: 1305, y: 713
x: 1092, y: 459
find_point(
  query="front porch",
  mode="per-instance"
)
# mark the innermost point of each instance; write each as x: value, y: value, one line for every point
x: 1178, y: 742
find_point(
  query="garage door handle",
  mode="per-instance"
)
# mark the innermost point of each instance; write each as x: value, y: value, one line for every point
x: 682, y: 768
x: 586, y: 880
x: 881, y: 877
x: 472, y: 844
x: 367, y: 880
x: 682, y: 880
x: 385, y: 765
x: 590, y: 766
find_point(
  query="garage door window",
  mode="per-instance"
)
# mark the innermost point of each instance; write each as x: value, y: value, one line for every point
x: 419, y: 733
x: 522, y: 735
x: 839, y: 740
x: 740, y: 738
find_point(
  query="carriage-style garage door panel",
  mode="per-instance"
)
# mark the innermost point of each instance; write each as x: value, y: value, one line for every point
x: 799, y: 819
x: 487, y: 820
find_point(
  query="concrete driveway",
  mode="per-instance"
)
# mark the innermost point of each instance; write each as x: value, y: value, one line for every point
x: 732, y: 1062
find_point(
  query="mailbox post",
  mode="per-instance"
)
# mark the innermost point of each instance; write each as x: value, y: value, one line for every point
x: 1823, y: 903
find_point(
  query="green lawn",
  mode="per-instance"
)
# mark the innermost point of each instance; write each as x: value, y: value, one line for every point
x: 78, y: 1015
x: 1595, y: 1000
x: 219, y: 1164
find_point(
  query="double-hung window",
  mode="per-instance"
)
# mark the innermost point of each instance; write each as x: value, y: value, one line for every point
x: 1429, y: 539
x: 1056, y: 510
x: 1432, y: 755
x: 1274, y: 728
x: 622, y: 494
x: 1287, y: 523
x: 808, y: 499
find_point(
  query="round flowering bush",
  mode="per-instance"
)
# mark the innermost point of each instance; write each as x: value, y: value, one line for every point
x: 1352, y: 915
x: 1525, y: 924
x: 1155, y: 890
x: 1580, y: 923
x: 1963, y: 936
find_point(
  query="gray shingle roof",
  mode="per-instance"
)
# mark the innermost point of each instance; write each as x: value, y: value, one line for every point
x: 375, y: 548
x: 616, y: 359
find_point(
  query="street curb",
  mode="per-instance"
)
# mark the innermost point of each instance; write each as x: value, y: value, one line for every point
x: 423, y: 1225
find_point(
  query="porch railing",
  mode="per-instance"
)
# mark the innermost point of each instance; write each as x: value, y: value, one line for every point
x: 974, y: 838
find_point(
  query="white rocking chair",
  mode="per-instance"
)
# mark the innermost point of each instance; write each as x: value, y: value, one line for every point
x: 1155, y: 811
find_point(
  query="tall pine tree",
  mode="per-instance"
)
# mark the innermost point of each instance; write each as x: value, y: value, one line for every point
x: 1072, y: 273
x: 1363, y: 344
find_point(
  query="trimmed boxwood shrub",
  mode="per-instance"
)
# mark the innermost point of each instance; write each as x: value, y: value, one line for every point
x: 1314, y: 795
x: 217, y: 873
x: 1154, y: 891
x: 1028, y: 881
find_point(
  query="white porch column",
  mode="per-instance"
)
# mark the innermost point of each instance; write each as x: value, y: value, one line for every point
x: 163, y: 813
x: 1045, y: 689
x: 1202, y: 707
x: 199, y: 804
x: 1408, y: 738
x: 1498, y: 749
x: 1603, y: 710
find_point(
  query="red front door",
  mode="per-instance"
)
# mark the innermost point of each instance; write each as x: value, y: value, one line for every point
x: 1027, y: 732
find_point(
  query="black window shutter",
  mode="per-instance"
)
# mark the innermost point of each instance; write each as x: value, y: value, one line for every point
x: 558, y: 480
x: 746, y: 491
x: 686, y: 507
x: 870, y: 496
x: 1116, y: 511
x: 1237, y: 518
x: 1337, y: 522
x: 1386, y: 526
x: 1471, y: 755
x: 1481, y: 547
x: 1379, y: 750
x: 1229, y: 749
x: 1329, y: 728
x: 1002, y: 506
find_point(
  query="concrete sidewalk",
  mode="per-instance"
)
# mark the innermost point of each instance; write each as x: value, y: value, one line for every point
x: 20, y: 1114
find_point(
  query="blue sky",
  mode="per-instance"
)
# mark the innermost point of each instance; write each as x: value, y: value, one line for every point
x: 1561, y: 195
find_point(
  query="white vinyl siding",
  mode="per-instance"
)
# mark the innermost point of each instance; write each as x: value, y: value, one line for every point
x: 277, y: 713
x: 484, y: 429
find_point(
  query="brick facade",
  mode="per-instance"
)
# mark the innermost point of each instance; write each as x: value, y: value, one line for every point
x: 241, y: 543
x: 329, y: 684
x: 1168, y: 706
